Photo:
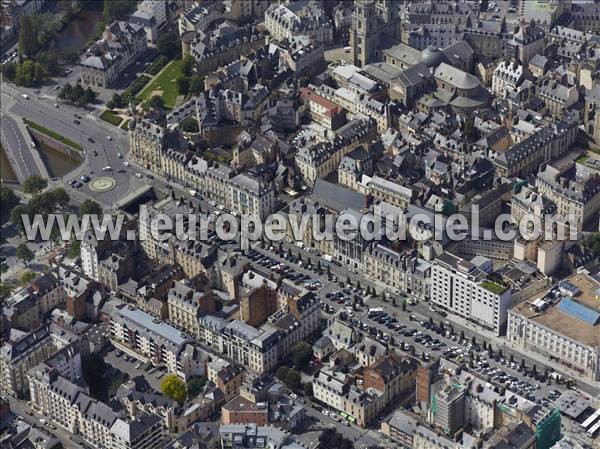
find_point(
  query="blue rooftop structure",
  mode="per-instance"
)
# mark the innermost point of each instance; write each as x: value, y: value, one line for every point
x: 579, y: 311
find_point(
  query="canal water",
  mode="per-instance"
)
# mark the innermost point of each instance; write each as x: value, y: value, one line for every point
x: 57, y: 162
x: 6, y: 171
x: 76, y: 34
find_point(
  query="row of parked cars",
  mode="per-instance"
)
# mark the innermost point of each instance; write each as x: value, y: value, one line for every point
x: 283, y: 270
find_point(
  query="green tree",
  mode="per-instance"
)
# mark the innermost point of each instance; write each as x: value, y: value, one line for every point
x: 24, y: 254
x: 290, y: 377
x: 66, y: 92
x: 27, y: 277
x: 16, y: 216
x: 196, y: 85
x: 27, y: 39
x: 90, y: 207
x: 29, y: 73
x: 8, y: 200
x: 190, y: 125
x: 173, y: 387
x: 9, y: 71
x: 302, y: 354
x: 77, y: 92
x: 194, y: 386
x: 308, y: 389
x: 60, y: 197
x: 168, y: 44
x: 89, y: 96
x: 34, y: 184
x: 74, y: 249
x: 183, y: 85
x: 118, y: 9
x: 156, y: 101
x: 187, y: 65
x: 116, y: 102
x: 5, y: 291
x: 49, y: 61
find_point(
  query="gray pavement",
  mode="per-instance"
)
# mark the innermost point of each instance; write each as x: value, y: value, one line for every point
x: 101, y: 142
x: 422, y: 312
x: 17, y: 148
x: 22, y: 410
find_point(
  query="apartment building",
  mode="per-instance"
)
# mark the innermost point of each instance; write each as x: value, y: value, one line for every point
x: 256, y: 349
x: 575, y: 191
x: 185, y: 304
x: 357, y: 103
x: 400, y: 272
x: 448, y: 403
x: 226, y: 377
x: 527, y: 42
x: 507, y: 77
x: 26, y: 309
x: 221, y: 44
x: 562, y: 324
x: 147, y: 138
x: 536, y: 146
x: 400, y: 427
x: 284, y: 21
x: 121, y: 45
x: 303, y: 56
x: 322, y: 110
x: 314, y: 161
x: 468, y: 289
x: 557, y: 97
x: 24, y: 350
x: 154, y: 340
x: 389, y: 191
x: 353, y: 166
x: 383, y: 382
x: 251, y: 436
x: 68, y: 406
x: 258, y: 304
x: 156, y: 9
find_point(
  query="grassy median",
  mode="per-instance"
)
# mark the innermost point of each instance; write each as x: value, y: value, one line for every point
x: 52, y: 134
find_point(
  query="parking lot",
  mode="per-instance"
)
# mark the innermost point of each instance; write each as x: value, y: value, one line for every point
x: 133, y: 367
x: 422, y: 336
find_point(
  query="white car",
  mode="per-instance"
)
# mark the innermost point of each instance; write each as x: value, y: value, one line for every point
x: 325, y: 412
x: 109, y: 138
x: 138, y: 175
x: 126, y: 164
x: 294, y: 396
x: 119, y: 155
x: 107, y: 168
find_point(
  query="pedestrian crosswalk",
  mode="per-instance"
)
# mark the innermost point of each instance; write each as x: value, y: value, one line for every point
x: 376, y: 435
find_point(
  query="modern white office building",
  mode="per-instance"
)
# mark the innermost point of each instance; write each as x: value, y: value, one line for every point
x: 469, y: 289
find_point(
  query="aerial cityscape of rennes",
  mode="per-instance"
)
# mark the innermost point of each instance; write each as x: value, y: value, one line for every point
x: 300, y: 224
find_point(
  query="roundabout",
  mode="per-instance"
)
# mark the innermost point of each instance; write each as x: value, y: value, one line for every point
x: 103, y: 184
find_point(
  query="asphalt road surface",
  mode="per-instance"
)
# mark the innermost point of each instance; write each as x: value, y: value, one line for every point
x: 17, y: 149
x: 101, y: 142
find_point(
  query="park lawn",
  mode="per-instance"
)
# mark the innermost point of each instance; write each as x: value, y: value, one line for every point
x: 125, y: 125
x: 52, y: 134
x: 110, y: 117
x: 166, y: 83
